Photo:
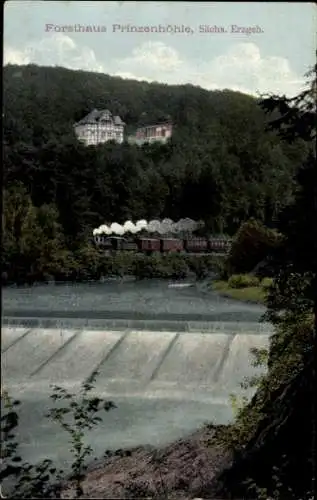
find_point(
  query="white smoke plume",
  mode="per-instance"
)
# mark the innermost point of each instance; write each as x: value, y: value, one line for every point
x: 166, y: 226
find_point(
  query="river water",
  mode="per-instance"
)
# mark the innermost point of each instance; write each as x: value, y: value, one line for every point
x: 168, y: 357
x: 139, y: 300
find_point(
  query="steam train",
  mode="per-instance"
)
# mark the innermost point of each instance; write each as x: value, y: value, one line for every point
x: 162, y: 245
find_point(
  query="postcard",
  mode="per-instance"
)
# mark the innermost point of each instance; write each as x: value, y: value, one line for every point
x: 159, y: 233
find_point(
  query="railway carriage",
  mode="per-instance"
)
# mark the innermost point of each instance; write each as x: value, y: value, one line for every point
x: 149, y: 245
x: 171, y: 245
x: 196, y: 245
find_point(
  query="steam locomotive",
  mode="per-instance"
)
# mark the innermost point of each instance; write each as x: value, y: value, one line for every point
x: 162, y: 245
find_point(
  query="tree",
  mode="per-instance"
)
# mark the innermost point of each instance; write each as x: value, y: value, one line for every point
x: 278, y: 443
x: 32, y: 237
x: 298, y: 254
x: 251, y: 246
x: 21, y: 233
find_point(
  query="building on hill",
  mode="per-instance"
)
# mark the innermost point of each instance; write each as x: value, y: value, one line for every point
x: 160, y: 132
x: 99, y: 127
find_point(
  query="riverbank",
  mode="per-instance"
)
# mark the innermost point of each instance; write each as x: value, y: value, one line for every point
x: 181, y: 470
x: 251, y: 294
x: 124, y: 265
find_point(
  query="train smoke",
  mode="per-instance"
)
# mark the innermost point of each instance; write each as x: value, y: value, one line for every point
x: 166, y: 226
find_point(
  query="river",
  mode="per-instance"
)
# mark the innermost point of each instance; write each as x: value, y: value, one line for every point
x: 168, y: 356
x: 140, y: 300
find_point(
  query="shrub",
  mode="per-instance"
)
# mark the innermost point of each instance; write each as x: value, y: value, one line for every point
x: 161, y: 266
x: 203, y: 265
x: 243, y: 281
x: 266, y: 283
x: 62, y: 267
x: 87, y: 263
x: 263, y: 426
x: 251, y: 245
x: 79, y: 415
x: 220, y: 266
x: 76, y: 414
x: 26, y: 480
x: 176, y: 266
x: 124, y: 264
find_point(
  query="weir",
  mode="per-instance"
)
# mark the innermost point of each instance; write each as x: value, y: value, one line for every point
x: 168, y: 358
x: 157, y: 325
x: 171, y: 364
x: 165, y: 382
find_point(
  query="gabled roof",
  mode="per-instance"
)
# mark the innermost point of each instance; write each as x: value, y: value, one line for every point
x: 90, y: 118
x: 104, y: 115
x: 96, y: 116
x: 117, y: 121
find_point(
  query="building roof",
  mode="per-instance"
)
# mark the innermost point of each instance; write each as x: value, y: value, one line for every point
x: 117, y: 121
x: 155, y: 125
x: 104, y: 116
x: 96, y: 116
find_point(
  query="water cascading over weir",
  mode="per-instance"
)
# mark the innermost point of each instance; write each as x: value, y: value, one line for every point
x: 168, y: 358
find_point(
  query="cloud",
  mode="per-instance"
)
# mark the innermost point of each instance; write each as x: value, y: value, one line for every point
x: 155, y: 57
x: 14, y: 56
x: 242, y: 67
x: 56, y: 50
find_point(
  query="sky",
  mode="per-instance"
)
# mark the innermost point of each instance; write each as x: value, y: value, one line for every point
x: 252, y: 47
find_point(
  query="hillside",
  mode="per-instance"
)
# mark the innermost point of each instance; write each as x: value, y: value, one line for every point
x: 47, y: 101
x: 42, y: 103
x: 221, y: 165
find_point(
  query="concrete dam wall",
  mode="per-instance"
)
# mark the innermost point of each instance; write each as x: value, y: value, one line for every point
x: 163, y: 364
x: 168, y: 358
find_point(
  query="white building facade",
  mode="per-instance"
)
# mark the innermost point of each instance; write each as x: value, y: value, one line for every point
x: 99, y: 127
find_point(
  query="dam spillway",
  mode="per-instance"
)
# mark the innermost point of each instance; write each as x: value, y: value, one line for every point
x: 168, y: 358
x: 163, y: 364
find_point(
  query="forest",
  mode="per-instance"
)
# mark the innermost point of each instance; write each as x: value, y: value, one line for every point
x: 222, y: 165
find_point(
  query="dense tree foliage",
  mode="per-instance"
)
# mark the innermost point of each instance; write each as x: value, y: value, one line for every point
x: 251, y: 247
x: 276, y: 433
x: 221, y: 165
